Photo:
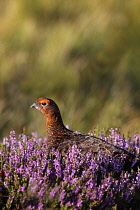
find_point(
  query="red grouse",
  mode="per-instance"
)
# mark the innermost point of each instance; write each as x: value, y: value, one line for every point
x: 61, y: 138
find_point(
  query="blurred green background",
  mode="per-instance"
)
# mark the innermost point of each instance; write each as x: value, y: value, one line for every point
x: 84, y: 54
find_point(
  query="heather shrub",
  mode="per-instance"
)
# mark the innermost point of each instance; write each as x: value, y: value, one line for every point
x: 32, y: 178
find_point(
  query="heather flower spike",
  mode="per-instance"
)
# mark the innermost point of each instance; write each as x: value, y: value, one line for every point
x: 33, y: 178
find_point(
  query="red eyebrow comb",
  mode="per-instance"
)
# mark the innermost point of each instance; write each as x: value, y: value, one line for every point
x: 44, y: 100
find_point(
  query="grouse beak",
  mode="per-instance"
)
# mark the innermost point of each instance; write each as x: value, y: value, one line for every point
x: 34, y: 106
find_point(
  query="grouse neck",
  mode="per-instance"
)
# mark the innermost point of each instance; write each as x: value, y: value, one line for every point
x: 55, y: 129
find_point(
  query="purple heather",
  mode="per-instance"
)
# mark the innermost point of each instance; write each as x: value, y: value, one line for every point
x: 32, y: 178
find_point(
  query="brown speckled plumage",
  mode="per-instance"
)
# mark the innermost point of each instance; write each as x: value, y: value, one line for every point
x: 59, y: 137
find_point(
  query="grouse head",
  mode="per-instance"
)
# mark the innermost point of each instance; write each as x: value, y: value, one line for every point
x: 46, y: 106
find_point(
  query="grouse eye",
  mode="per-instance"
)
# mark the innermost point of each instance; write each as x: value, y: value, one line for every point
x: 44, y: 103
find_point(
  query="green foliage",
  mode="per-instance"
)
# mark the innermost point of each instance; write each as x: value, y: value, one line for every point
x: 83, y: 54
